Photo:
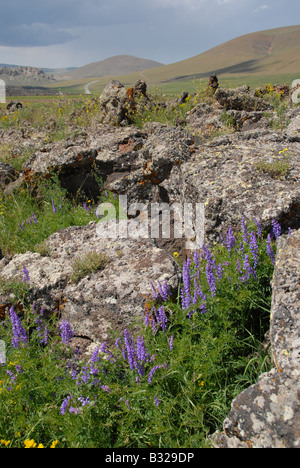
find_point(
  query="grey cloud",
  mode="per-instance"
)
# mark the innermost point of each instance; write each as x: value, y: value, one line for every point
x: 40, y: 23
x: 36, y: 34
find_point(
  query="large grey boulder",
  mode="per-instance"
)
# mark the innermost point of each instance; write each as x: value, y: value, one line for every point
x: 235, y: 176
x: 72, y: 160
x: 109, y: 299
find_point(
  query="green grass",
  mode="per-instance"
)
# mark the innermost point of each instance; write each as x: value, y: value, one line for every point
x: 169, y: 387
x: 87, y: 264
x: 27, y: 219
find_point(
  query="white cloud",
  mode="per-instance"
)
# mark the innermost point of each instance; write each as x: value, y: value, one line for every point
x: 261, y: 8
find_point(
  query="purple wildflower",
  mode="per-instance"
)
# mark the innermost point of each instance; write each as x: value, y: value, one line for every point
x: 84, y: 401
x: 259, y: 229
x: 203, y: 306
x: 186, y: 290
x: 53, y: 206
x: 73, y: 410
x: 11, y: 375
x: 66, y: 332
x: 219, y: 271
x: 164, y: 290
x: 162, y: 318
x: 276, y: 228
x: 141, y: 352
x: 198, y: 294
x: 238, y: 265
x: 244, y: 230
x: 248, y: 270
x: 26, y: 277
x: 155, y: 294
x: 154, y: 326
x: 129, y: 348
x: 171, y: 342
x: 270, y: 249
x: 153, y: 370
x: 19, y: 333
x: 156, y: 400
x: 94, y: 359
x: 85, y: 374
x: 211, y: 280
x: 230, y: 240
x: 64, y: 406
x: 254, y: 248
x: 44, y: 334
x: 34, y: 218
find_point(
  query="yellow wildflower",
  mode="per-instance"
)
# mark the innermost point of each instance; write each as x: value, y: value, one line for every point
x: 29, y: 443
x: 5, y: 442
x: 54, y: 444
x: 175, y: 254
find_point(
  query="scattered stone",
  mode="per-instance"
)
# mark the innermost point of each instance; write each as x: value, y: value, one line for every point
x: 114, y: 104
x: 213, y: 83
x: 13, y: 106
x: 7, y: 174
x: 240, y: 99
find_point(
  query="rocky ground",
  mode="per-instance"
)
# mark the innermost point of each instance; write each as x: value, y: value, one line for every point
x: 234, y: 153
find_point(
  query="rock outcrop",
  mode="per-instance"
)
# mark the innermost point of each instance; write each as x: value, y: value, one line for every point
x: 108, y: 299
x: 114, y: 104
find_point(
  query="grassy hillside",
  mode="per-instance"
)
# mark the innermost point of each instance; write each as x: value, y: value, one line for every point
x: 255, y: 59
x: 118, y: 65
x: 273, y: 52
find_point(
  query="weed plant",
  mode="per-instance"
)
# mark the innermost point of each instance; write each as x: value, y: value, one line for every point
x: 168, y: 386
x: 28, y: 217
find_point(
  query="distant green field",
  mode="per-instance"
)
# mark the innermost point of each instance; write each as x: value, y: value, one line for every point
x: 174, y: 88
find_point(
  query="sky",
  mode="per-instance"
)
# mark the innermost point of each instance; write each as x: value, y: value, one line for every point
x: 72, y: 33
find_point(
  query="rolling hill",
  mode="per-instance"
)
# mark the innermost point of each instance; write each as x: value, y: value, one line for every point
x: 118, y: 65
x: 270, y: 52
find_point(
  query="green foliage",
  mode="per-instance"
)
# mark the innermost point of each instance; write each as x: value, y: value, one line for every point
x: 157, y: 110
x: 28, y: 218
x: 170, y: 386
